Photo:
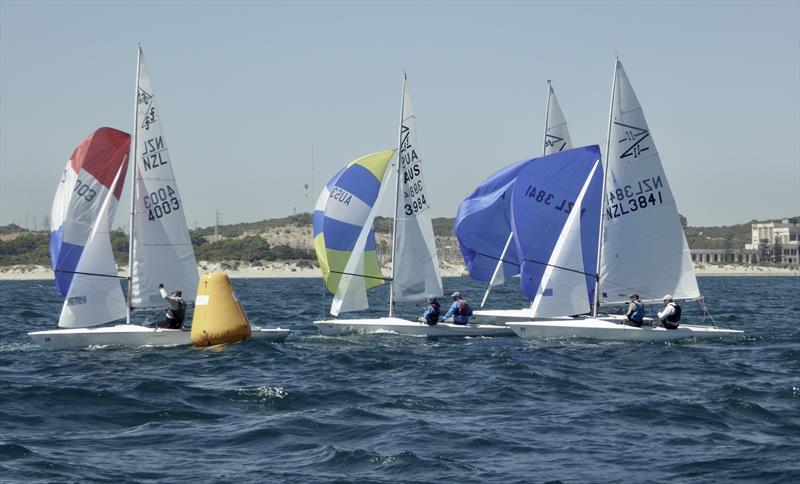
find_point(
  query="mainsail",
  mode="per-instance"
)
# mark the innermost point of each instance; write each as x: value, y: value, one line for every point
x: 344, y: 238
x: 415, y: 264
x: 644, y: 249
x: 556, y: 134
x: 84, y: 186
x: 162, y: 250
x: 555, y: 204
x: 95, y: 294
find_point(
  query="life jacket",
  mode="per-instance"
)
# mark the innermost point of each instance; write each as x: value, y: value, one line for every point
x: 638, y: 311
x: 675, y: 316
x: 463, y: 308
x: 178, y: 314
x: 434, y: 315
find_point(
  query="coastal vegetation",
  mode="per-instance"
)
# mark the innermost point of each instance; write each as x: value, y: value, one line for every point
x: 290, y: 239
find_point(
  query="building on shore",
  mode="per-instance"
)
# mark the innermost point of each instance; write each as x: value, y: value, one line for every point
x: 772, y: 243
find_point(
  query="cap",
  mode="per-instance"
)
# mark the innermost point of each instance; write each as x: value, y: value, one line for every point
x: 667, y: 298
x: 456, y: 294
x: 431, y: 298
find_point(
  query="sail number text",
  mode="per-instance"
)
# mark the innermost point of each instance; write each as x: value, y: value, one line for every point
x: 547, y: 198
x: 161, y: 202
x: 83, y: 190
x: 631, y: 198
x: 154, y: 153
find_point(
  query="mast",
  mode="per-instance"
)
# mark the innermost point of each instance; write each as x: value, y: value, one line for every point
x: 603, y: 200
x: 397, y: 195
x: 499, y: 265
x: 547, y: 117
x: 132, y: 158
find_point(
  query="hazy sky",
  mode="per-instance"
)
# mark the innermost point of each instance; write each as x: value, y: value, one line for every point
x: 246, y: 89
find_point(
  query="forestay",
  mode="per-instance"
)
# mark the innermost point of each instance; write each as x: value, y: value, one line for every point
x: 415, y: 267
x: 344, y: 238
x: 83, y: 187
x: 162, y: 250
x: 644, y: 249
x: 556, y: 214
x: 95, y: 294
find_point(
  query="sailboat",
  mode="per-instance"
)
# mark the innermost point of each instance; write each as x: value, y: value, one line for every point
x: 344, y: 240
x: 640, y: 243
x: 483, y: 222
x: 160, y: 249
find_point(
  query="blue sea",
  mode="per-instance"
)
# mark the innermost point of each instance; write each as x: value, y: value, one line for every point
x: 385, y: 408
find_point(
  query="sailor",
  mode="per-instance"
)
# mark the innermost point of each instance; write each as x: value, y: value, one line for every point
x: 176, y: 309
x: 670, y: 315
x: 635, y: 314
x: 459, y: 310
x: 432, y: 312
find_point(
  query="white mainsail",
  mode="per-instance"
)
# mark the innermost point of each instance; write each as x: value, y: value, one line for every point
x: 562, y: 290
x: 95, y: 294
x: 556, y: 134
x: 415, y: 264
x: 162, y: 250
x: 644, y: 249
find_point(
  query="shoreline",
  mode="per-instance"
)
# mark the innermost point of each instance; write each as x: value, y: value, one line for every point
x: 294, y: 270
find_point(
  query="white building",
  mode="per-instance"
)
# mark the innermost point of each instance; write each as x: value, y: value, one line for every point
x: 777, y: 241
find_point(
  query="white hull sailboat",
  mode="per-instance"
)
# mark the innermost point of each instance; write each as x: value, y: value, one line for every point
x: 133, y: 335
x: 345, y: 242
x: 339, y: 327
x: 160, y: 248
x: 611, y: 330
x: 640, y: 244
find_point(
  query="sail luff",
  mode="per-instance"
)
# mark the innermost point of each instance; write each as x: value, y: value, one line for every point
x: 397, y: 195
x: 547, y: 117
x: 134, y: 145
x: 596, y: 305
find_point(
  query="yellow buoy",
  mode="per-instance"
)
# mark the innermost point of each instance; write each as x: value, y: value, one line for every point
x: 218, y: 316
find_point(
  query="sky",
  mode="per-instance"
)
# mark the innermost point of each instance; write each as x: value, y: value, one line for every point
x: 258, y: 99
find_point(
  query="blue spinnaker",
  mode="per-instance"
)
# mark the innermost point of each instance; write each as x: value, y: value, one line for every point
x: 483, y: 224
x: 542, y: 196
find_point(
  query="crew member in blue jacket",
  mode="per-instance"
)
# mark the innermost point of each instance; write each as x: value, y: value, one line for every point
x: 635, y: 314
x: 459, y: 310
x: 432, y: 312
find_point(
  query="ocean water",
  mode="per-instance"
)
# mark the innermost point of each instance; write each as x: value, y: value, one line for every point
x: 383, y: 408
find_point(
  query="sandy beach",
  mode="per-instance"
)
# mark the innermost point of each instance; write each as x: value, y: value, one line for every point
x: 291, y: 269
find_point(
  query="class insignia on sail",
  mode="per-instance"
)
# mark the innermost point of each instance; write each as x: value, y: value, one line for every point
x: 219, y: 317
